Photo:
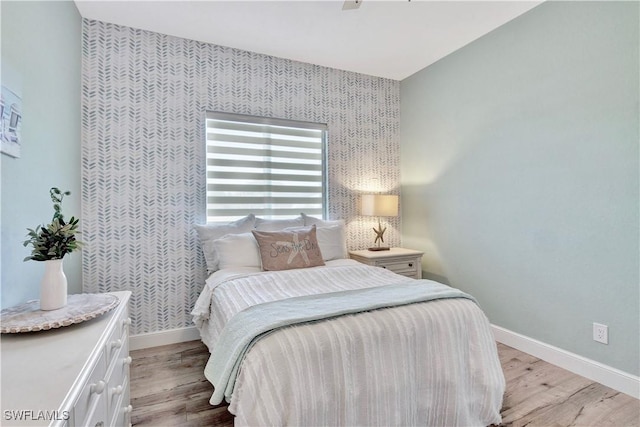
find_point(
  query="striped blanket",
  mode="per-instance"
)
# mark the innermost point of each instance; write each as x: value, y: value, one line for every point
x: 432, y: 363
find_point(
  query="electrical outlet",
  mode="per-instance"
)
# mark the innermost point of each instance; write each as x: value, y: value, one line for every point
x: 601, y: 333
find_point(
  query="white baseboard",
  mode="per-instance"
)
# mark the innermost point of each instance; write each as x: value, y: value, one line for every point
x: 171, y: 336
x: 596, y: 371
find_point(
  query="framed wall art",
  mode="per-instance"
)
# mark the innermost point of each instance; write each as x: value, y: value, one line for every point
x: 10, y: 115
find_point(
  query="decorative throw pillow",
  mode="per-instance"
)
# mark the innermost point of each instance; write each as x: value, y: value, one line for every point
x: 210, y: 232
x: 285, y: 250
x: 237, y: 250
x: 263, y: 224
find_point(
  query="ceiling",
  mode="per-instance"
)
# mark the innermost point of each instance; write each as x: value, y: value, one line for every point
x: 392, y: 38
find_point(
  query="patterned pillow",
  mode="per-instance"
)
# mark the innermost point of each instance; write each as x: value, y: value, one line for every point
x: 285, y: 250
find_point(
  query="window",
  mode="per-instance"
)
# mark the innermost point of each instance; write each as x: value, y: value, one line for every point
x: 271, y: 167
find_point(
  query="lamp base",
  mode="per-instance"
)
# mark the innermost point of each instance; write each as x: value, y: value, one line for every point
x: 378, y: 248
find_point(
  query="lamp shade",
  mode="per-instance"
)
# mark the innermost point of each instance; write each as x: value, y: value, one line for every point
x: 379, y: 205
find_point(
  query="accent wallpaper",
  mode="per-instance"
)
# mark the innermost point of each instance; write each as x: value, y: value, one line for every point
x: 144, y: 96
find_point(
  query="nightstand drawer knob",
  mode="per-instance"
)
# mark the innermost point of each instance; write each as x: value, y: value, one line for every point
x: 410, y: 264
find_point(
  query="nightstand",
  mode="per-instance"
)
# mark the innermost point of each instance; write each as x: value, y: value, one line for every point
x: 399, y: 260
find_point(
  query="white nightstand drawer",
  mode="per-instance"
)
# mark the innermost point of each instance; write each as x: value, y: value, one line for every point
x: 407, y: 268
x: 401, y: 261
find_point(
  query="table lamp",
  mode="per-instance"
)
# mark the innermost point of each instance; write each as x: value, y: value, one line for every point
x: 379, y: 205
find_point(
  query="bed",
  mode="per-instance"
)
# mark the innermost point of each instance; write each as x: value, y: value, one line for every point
x: 339, y: 343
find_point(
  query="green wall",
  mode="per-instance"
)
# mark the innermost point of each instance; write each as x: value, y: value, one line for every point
x: 519, y: 171
x: 41, y: 44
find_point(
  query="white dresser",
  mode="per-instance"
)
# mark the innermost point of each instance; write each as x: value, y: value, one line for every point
x: 72, y: 376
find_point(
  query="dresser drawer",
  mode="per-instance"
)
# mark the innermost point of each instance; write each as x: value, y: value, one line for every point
x: 118, y: 338
x: 121, y: 412
x: 118, y: 382
x: 98, y: 416
x: 92, y: 399
x: 118, y: 360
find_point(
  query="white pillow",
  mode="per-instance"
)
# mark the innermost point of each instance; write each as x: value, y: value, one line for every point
x: 210, y: 232
x: 310, y: 220
x: 238, y: 250
x: 263, y: 224
x: 331, y: 240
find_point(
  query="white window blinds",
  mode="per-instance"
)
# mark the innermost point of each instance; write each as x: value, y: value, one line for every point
x: 271, y: 167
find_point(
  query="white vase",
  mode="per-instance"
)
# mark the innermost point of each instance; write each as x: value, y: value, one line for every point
x: 53, y: 288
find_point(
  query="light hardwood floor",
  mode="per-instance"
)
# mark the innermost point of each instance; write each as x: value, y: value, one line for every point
x: 168, y: 388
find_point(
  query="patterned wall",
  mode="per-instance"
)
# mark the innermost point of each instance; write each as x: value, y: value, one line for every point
x: 144, y: 96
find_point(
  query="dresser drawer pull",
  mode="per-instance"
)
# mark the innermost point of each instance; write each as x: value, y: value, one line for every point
x: 116, y: 344
x: 410, y: 264
x: 127, y: 360
x: 98, y: 387
x: 128, y: 409
x: 117, y: 391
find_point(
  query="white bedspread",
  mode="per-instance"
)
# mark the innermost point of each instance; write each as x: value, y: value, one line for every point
x: 432, y: 363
